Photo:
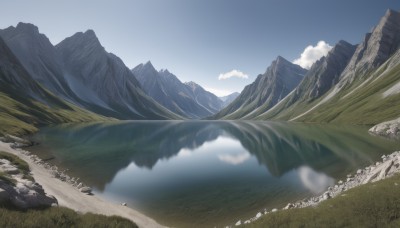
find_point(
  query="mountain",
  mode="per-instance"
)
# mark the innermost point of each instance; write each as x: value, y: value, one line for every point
x: 38, y: 56
x: 267, y: 90
x: 229, y: 98
x: 322, y: 76
x: 80, y: 71
x: 25, y: 104
x: 204, y: 98
x: 186, y: 99
x: 368, y: 90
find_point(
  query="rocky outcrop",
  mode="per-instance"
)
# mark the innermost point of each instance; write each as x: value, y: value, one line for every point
x: 389, y: 166
x: 21, y: 191
x: 389, y: 129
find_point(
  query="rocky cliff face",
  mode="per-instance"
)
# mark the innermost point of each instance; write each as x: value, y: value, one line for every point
x: 324, y: 74
x: 38, y: 56
x: 376, y: 48
x: 266, y: 91
x: 187, y: 99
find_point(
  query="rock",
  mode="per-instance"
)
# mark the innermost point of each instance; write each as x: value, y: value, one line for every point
x: 340, y: 182
x: 258, y: 215
x: 326, y: 196
x: 359, y: 171
x: 238, y: 223
x: 274, y: 210
x: 4, y: 196
x: 288, y: 206
x: 86, y: 190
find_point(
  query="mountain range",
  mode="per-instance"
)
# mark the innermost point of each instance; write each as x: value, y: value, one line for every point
x: 357, y: 84
x: 186, y: 99
x: 80, y: 71
x: 78, y: 80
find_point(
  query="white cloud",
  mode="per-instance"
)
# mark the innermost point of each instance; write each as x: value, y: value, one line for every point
x: 231, y: 74
x: 312, y: 53
x: 314, y: 181
x: 234, y: 159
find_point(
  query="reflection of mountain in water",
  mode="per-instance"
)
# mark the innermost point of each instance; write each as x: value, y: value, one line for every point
x: 99, y: 151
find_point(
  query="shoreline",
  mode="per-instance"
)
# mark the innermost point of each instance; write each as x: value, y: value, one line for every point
x: 69, y: 195
x: 386, y: 168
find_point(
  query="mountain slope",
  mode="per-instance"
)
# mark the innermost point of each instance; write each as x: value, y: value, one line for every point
x: 186, y: 99
x: 25, y: 104
x: 229, y: 98
x: 107, y: 80
x: 368, y: 90
x: 266, y: 91
x: 323, y: 75
x: 111, y: 90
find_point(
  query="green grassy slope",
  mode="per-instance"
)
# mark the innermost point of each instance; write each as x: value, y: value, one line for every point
x: 372, y: 205
x: 23, y: 115
x: 361, y: 102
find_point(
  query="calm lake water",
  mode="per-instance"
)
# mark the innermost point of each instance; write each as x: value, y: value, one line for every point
x: 208, y: 173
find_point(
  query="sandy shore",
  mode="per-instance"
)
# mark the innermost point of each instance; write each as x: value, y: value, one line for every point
x: 69, y: 196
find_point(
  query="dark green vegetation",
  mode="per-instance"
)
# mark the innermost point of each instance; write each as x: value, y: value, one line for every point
x: 372, y: 205
x: 58, y: 217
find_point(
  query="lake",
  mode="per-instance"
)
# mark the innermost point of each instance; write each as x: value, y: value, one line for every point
x: 208, y: 173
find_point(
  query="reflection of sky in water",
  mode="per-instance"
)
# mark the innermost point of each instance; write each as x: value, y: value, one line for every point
x: 209, y: 166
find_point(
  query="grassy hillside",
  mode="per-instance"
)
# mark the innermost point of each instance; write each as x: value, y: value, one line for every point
x: 361, y: 102
x: 21, y: 115
x: 372, y: 205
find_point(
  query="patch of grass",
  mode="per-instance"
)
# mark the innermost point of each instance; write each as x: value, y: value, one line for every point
x: 16, y: 161
x: 5, y: 177
x: 19, y: 163
x: 371, y: 205
x: 58, y: 217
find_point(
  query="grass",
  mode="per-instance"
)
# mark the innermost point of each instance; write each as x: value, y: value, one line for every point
x: 58, y: 217
x: 19, y: 163
x: 20, y: 116
x: 371, y: 205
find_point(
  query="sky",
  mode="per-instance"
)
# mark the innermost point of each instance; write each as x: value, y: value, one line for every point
x: 220, y: 44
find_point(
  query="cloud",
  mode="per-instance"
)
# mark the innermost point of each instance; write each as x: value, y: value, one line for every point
x: 231, y: 74
x: 312, y: 53
x: 234, y: 159
x: 314, y: 181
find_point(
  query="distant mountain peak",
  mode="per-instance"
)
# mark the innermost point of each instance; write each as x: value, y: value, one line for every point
x: 27, y: 27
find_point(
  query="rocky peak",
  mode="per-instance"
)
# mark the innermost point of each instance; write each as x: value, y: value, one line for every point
x: 376, y: 48
x: 81, y: 41
x: 192, y: 85
x: 27, y: 27
x: 325, y: 72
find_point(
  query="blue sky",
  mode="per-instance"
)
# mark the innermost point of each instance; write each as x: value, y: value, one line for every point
x: 199, y: 40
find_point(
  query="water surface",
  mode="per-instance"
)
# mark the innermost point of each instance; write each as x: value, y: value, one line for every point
x: 208, y: 173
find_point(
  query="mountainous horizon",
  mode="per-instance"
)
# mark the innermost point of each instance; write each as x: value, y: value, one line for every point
x: 80, y: 71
